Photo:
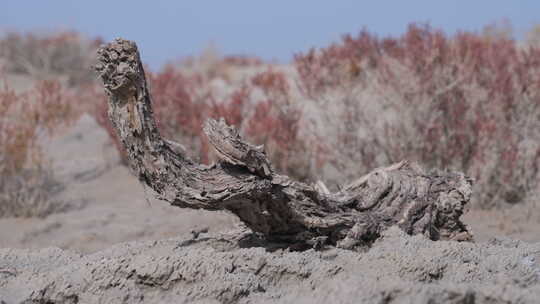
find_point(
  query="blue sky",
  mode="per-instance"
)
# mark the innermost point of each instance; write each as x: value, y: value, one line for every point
x: 276, y: 29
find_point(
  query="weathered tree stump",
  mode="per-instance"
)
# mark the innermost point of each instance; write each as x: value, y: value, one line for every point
x: 244, y: 183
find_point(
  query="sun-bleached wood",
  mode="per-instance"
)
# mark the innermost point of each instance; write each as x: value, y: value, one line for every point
x: 244, y: 182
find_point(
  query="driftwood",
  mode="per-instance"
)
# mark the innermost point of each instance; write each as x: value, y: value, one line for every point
x: 244, y: 182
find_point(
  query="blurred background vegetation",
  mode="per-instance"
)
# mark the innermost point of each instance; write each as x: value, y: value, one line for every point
x: 467, y: 101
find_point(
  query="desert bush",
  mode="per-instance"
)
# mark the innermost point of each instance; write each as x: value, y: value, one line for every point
x: 27, y: 186
x: 275, y: 123
x: 468, y: 102
x: 180, y: 105
x: 260, y: 107
x: 45, y: 56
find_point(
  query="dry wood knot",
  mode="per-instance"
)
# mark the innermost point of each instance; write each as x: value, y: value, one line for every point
x: 118, y: 65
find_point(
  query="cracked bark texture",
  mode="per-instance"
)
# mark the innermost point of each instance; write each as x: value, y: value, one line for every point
x: 244, y: 183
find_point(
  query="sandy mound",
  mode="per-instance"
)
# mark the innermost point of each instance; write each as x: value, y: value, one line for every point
x: 398, y: 269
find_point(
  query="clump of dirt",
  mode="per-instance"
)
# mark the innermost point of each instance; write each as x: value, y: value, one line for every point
x: 214, y: 269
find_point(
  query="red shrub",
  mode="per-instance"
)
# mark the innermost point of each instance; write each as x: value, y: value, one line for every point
x: 26, y: 182
x: 465, y: 102
x: 275, y: 123
x: 232, y: 110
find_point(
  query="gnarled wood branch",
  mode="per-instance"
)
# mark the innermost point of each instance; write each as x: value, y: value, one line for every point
x: 244, y: 183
